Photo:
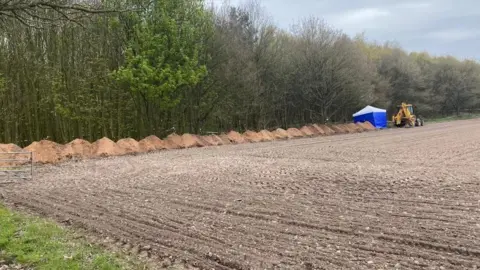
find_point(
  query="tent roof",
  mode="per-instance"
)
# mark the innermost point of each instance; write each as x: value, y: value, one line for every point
x: 369, y: 109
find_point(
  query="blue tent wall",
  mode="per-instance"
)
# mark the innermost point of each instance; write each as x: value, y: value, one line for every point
x: 377, y: 119
x: 380, y: 119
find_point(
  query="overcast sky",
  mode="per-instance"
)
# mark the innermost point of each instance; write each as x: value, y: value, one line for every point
x: 437, y: 26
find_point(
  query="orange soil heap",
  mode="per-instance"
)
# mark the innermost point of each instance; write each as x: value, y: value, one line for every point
x: 307, y: 131
x: 295, y: 133
x: 130, y: 146
x: 151, y: 143
x: 328, y: 131
x: 367, y: 125
x: 174, y: 141
x: 12, y: 148
x: 281, y: 134
x: 225, y: 139
x: 211, y: 140
x: 46, y: 152
x: 51, y: 152
x: 252, y: 136
x: 267, y: 136
x: 360, y: 127
x: 190, y: 141
x: 338, y: 129
x: 319, y: 129
x: 236, y: 137
x: 106, y: 147
x: 77, y: 148
x: 354, y: 127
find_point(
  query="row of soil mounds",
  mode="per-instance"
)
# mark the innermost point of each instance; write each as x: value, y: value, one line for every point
x: 48, y: 152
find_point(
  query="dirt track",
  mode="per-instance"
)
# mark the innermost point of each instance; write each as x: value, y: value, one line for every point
x: 404, y: 198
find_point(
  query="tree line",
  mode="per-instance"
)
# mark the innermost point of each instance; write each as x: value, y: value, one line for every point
x: 163, y: 66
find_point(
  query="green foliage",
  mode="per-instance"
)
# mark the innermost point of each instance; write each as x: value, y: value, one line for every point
x: 163, y: 56
x: 176, y: 65
x: 37, y: 243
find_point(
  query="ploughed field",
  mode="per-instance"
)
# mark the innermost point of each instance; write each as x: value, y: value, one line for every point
x: 400, y: 198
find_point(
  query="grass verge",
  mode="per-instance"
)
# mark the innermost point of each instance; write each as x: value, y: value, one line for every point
x: 40, y: 244
x: 465, y: 116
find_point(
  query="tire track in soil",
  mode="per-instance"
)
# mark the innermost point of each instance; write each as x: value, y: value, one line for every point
x: 351, y: 201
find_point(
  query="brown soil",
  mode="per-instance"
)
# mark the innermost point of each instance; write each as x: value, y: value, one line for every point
x: 156, y: 142
x: 267, y: 136
x: 77, y: 149
x: 367, y: 125
x: 338, y: 129
x: 236, y: 137
x: 281, y: 134
x: 10, y: 148
x: 225, y: 139
x: 46, y: 152
x: 355, y: 127
x: 295, y: 133
x: 211, y: 140
x: 174, y: 141
x: 106, y: 148
x: 201, y: 141
x: 347, y: 128
x: 218, y: 139
x: 146, y: 146
x: 131, y: 146
x: 319, y: 130
x: 190, y: 141
x: 214, y: 140
x: 328, y: 131
x: 307, y: 131
x: 298, y: 204
x: 252, y: 136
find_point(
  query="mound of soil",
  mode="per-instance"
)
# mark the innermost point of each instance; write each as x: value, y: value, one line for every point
x: 201, y: 141
x: 174, y: 141
x: 190, y: 141
x: 338, y: 129
x: 211, y: 140
x: 106, y: 147
x: 252, y: 136
x: 236, y: 137
x: 307, y: 131
x: 367, y: 126
x: 281, y: 134
x: 131, y: 146
x: 295, y: 133
x: 146, y: 146
x: 77, y: 148
x: 267, y: 136
x: 156, y: 142
x: 328, y: 131
x: 355, y: 128
x: 46, y: 152
x: 346, y: 128
x: 320, y: 131
x: 9, y: 148
x: 225, y: 139
x: 218, y: 139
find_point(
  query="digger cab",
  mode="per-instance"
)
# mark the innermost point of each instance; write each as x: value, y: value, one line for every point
x: 409, y: 108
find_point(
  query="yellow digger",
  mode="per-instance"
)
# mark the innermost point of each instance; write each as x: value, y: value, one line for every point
x: 405, y: 117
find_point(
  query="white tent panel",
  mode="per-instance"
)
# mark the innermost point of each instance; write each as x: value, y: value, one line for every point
x: 368, y: 109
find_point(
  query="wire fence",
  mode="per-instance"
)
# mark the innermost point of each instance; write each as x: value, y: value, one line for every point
x: 16, y: 166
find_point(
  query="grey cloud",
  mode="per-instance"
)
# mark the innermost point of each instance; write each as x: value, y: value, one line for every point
x: 437, y: 26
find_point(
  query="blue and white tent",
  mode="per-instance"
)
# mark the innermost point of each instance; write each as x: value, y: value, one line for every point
x: 376, y: 116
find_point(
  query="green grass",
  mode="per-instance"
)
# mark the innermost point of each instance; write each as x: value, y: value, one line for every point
x: 463, y: 116
x: 41, y: 244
